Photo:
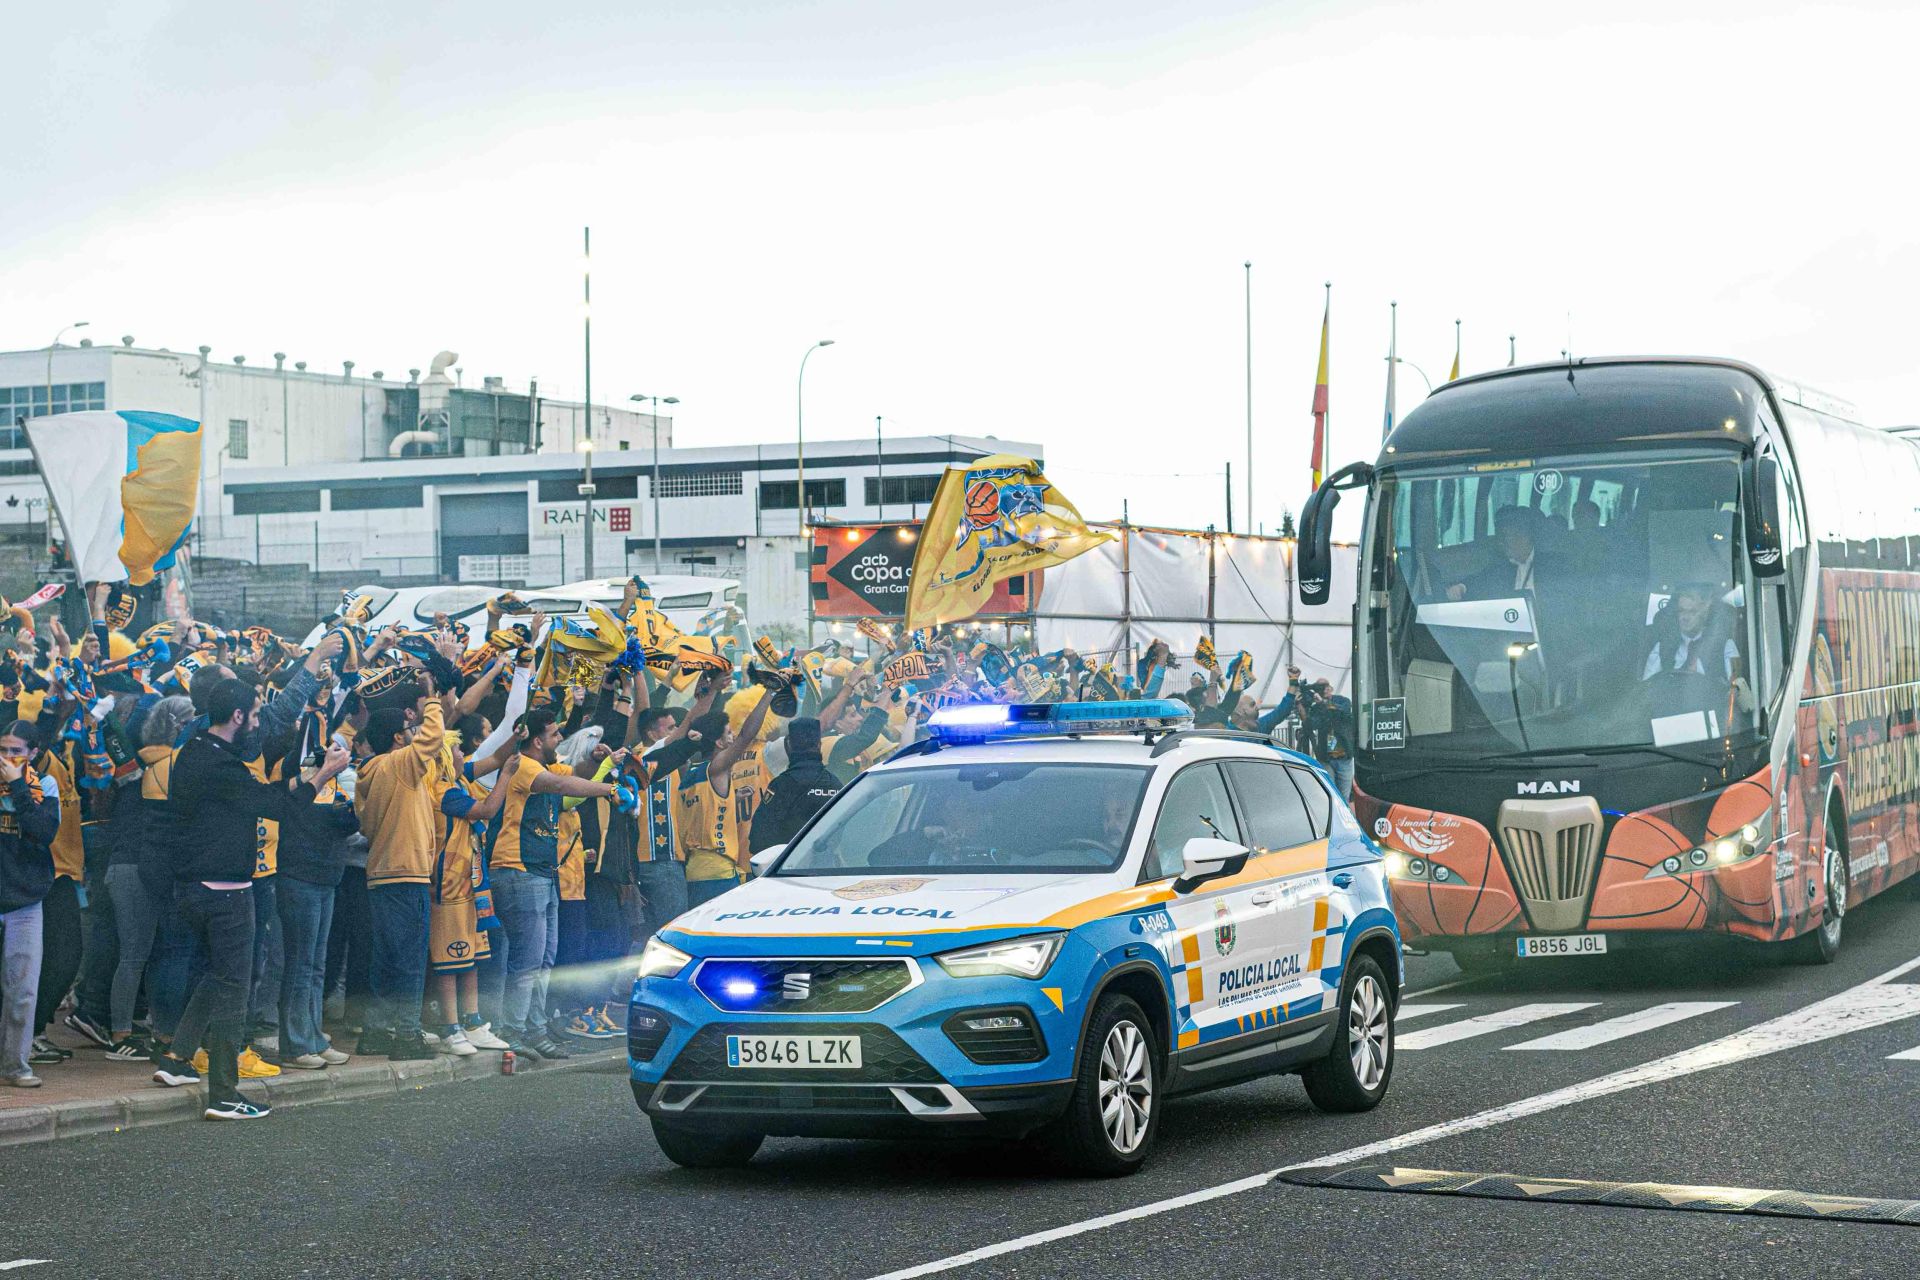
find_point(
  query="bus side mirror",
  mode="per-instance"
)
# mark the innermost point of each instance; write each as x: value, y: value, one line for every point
x: 1766, y: 549
x: 1316, y: 531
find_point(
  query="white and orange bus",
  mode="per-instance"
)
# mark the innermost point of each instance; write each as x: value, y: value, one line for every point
x: 1636, y: 655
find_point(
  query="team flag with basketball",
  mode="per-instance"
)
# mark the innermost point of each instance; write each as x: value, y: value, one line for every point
x: 124, y: 484
x: 992, y: 519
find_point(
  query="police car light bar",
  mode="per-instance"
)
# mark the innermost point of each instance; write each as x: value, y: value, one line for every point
x: 979, y: 722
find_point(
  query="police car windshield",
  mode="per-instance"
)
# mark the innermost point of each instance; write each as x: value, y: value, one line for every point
x: 1011, y: 817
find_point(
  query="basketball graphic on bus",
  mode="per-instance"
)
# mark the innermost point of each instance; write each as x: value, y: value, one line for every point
x: 1826, y: 712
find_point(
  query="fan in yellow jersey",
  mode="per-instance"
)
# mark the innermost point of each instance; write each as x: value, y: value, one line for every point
x: 525, y: 875
x: 711, y: 829
x: 456, y: 942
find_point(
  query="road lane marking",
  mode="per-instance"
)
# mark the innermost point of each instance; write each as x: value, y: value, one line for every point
x: 1908, y: 1055
x: 1445, y: 986
x: 1627, y: 1024
x: 1486, y: 1024
x: 1755, y: 1201
x: 24, y: 1262
x: 1855, y: 1009
x: 1406, y: 1011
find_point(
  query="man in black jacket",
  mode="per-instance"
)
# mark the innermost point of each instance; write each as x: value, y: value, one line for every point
x: 216, y: 804
x: 798, y: 793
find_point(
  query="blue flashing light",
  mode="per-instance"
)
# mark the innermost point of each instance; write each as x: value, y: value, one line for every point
x: 740, y: 988
x: 981, y: 722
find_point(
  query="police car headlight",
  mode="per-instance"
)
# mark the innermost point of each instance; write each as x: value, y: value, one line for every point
x: 660, y: 960
x: 1014, y: 958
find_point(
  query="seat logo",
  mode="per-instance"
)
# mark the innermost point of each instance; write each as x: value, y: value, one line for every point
x: 1550, y: 787
x: 796, y: 986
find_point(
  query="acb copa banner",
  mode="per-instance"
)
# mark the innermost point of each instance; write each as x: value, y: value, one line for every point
x: 862, y: 571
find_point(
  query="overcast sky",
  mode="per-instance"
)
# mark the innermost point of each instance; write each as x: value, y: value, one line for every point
x: 1019, y: 219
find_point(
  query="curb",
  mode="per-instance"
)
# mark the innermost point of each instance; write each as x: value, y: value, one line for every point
x: 158, y: 1106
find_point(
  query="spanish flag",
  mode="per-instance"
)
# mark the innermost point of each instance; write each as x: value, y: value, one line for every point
x: 991, y: 519
x: 1320, y: 396
x: 124, y: 484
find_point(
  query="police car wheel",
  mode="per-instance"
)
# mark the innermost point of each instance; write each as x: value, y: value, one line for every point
x: 1110, y: 1123
x: 1359, y: 1064
x: 691, y: 1149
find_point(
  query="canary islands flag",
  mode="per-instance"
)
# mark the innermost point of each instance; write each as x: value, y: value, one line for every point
x: 124, y: 484
x: 992, y: 519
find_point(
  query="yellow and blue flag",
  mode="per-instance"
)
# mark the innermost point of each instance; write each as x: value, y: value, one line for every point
x: 125, y: 484
x: 991, y: 519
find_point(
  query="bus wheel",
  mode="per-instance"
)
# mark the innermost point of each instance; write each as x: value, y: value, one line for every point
x: 1821, y: 945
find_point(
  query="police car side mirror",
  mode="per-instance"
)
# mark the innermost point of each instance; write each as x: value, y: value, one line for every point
x: 1205, y: 858
x: 765, y: 858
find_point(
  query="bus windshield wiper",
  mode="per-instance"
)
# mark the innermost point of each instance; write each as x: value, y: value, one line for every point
x: 1611, y: 749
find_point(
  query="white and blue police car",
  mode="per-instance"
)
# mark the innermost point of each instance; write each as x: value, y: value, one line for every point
x: 1040, y: 921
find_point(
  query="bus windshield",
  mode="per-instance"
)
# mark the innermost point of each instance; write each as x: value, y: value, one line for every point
x: 1577, y: 604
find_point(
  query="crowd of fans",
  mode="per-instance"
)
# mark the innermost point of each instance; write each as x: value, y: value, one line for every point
x: 229, y: 850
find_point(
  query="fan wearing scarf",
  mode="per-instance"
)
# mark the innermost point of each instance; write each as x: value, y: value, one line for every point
x: 396, y: 808
x: 525, y: 875
x: 457, y: 942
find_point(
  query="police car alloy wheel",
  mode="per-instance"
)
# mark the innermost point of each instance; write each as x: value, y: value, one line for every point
x: 694, y: 1150
x: 1114, y: 1116
x: 1359, y: 1064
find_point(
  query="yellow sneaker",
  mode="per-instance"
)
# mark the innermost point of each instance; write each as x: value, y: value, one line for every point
x: 255, y: 1067
x: 252, y: 1065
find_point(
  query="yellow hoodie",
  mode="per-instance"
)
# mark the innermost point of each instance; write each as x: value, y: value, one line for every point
x: 396, y: 806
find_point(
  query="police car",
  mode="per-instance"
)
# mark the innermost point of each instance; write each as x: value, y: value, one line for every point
x: 1041, y: 921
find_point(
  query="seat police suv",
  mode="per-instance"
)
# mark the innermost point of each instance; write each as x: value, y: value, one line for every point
x: 1042, y: 921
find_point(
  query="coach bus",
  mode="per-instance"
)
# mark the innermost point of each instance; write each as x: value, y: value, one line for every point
x: 1636, y: 655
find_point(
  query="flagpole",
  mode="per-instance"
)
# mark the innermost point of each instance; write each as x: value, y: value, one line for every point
x: 1249, y: 280
x: 1511, y: 351
x: 1393, y: 369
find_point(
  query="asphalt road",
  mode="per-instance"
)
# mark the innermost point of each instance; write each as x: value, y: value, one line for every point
x: 556, y: 1175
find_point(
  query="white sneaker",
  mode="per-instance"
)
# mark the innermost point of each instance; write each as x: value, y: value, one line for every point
x: 332, y: 1056
x: 305, y: 1062
x: 482, y: 1037
x: 456, y: 1044
x: 268, y: 1045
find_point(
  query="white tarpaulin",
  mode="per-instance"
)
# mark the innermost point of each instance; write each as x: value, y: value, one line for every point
x: 1152, y: 585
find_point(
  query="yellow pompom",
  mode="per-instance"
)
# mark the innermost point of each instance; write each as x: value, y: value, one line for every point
x: 741, y: 705
x: 118, y: 646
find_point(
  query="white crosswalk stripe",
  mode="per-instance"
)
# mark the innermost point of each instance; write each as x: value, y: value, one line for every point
x: 1627, y: 1024
x: 1908, y: 1055
x: 1486, y: 1024
x: 1420, y: 1010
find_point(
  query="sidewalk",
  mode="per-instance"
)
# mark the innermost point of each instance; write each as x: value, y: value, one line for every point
x: 89, y: 1094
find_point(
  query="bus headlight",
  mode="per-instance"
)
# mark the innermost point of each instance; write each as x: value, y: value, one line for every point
x: 1407, y: 866
x: 1718, y: 852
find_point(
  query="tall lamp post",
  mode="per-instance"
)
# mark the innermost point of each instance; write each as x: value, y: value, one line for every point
x: 585, y: 444
x: 77, y: 324
x: 1416, y: 368
x: 654, y: 484
x: 800, y: 433
x: 585, y: 448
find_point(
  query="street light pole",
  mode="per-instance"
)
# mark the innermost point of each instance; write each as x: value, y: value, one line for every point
x: 800, y: 433
x: 654, y: 417
x: 1417, y: 369
x: 77, y: 324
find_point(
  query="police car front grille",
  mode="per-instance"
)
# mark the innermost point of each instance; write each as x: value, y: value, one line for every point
x: 802, y: 986
x: 884, y: 1056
